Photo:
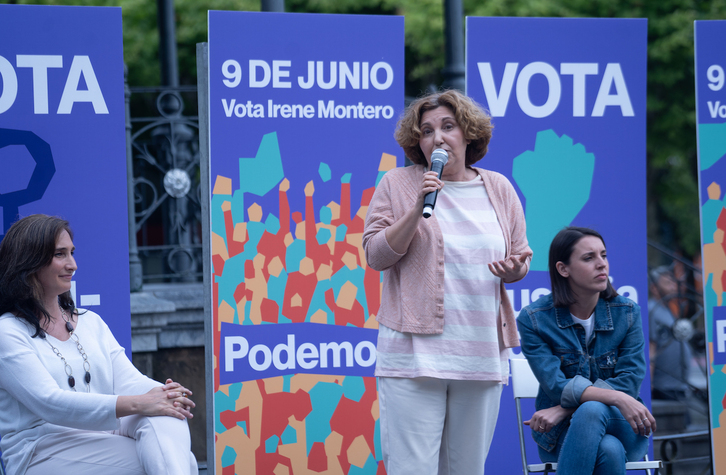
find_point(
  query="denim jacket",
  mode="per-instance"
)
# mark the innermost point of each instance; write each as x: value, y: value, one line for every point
x: 565, y: 364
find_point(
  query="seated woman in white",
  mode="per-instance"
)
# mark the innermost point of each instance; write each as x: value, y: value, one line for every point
x: 70, y: 400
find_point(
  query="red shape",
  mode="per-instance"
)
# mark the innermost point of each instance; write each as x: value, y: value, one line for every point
x: 381, y: 469
x: 240, y: 292
x: 218, y: 264
x: 354, y: 316
x: 304, y: 285
x: 270, y: 310
x: 230, y: 419
x: 233, y: 247
x: 228, y: 470
x: 352, y: 419
x: 297, y: 217
x: 372, y: 285
x: 318, y: 459
x: 249, y: 269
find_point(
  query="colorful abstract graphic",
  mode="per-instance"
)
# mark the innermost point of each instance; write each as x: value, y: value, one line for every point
x: 712, y: 150
x: 283, y: 266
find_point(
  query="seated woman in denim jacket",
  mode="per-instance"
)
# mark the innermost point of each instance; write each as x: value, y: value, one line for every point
x: 585, y: 344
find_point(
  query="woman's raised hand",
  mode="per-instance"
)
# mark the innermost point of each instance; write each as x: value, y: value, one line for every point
x: 430, y: 183
x: 511, y: 269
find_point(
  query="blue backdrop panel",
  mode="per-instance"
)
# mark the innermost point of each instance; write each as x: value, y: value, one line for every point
x: 711, y: 118
x: 302, y: 114
x: 568, y: 101
x: 62, y: 141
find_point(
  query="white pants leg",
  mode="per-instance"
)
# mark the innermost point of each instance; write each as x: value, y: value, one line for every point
x: 163, y: 444
x: 432, y: 426
x: 143, y: 445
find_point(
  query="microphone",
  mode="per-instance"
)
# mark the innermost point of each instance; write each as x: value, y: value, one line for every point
x: 439, y: 157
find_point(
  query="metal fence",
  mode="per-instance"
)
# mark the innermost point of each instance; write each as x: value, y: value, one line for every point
x: 164, y: 144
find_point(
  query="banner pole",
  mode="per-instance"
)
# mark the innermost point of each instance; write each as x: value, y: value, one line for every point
x: 203, y: 100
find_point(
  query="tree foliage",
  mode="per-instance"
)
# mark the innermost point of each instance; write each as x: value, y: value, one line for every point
x: 672, y: 171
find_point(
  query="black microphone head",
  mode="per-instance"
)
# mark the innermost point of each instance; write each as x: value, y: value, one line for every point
x: 439, y: 155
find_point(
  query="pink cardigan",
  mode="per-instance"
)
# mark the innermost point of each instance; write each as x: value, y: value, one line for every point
x: 412, y: 299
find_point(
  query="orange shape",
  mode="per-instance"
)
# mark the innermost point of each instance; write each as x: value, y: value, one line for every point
x: 350, y: 260
x: 388, y: 162
x: 307, y: 266
x: 296, y: 301
x: 714, y: 191
x: 240, y: 232
x: 320, y: 316
x: 275, y: 267
x: 255, y: 212
x: 222, y: 186
x: 358, y: 451
x: 346, y: 296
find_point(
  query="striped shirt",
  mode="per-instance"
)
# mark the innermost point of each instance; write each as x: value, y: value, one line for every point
x: 469, y: 348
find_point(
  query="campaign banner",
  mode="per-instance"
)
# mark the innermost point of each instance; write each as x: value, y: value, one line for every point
x: 567, y: 98
x: 63, y: 142
x: 710, y: 60
x: 302, y: 110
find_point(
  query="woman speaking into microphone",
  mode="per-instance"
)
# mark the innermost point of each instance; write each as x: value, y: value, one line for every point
x: 446, y: 322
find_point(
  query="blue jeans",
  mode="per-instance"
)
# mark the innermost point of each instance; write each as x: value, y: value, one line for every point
x: 596, y: 425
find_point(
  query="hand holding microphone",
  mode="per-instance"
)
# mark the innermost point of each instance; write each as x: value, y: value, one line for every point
x: 439, y: 157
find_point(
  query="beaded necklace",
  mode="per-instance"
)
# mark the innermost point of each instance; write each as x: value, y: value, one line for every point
x: 68, y: 369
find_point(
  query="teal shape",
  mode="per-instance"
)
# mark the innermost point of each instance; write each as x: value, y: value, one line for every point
x: 286, y: 383
x: 238, y: 207
x: 271, y: 444
x: 218, y: 215
x: 370, y: 467
x: 340, y: 233
x: 223, y: 402
x: 260, y: 174
x: 324, y: 398
x: 324, y: 171
x: 289, y: 436
x: 711, y: 144
x: 345, y: 178
x: 326, y: 215
x: 318, y: 302
x: 379, y: 177
x: 555, y: 180
x: 323, y: 235
x: 228, y: 456
x: 272, y: 224
x: 353, y: 388
x: 294, y: 255
x: 243, y: 425
x: 377, y: 439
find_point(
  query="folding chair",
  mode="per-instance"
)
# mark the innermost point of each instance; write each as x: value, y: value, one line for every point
x: 525, y: 385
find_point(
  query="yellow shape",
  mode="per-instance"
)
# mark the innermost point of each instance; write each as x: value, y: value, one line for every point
x: 288, y: 239
x: 320, y: 316
x: 324, y: 272
x: 371, y: 323
x: 300, y: 230
x: 219, y: 247
x: 362, y: 211
x: 275, y: 266
x: 346, y: 296
x: 274, y: 385
x: 350, y: 260
x: 306, y: 382
x: 296, y: 301
x: 714, y: 191
x: 226, y: 314
x: 240, y: 232
x: 307, y: 266
x: 334, y: 210
x: 281, y: 469
x: 255, y: 212
x: 358, y: 452
x: 222, y: 186
x: 388, y: 162
x: 226, y: 205
x: 333, y: 447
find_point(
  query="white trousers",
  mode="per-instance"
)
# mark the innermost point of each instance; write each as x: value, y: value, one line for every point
x: 143, y: 445
x: 437, y: 426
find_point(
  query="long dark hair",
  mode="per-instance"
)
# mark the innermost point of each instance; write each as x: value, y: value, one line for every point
x: 560, y: 251
x: 28, y: 247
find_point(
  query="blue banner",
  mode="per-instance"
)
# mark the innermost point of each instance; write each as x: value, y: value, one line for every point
x: 302, y: 113
x: 710, y: 36
x: 568, y: 102
x: 62, y: 141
